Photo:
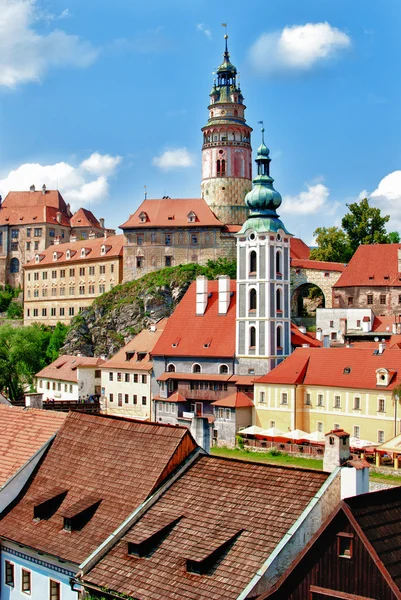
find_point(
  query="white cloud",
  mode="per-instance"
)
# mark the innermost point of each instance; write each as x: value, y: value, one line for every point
x: 308, y: 202
x: 387, y: 196
x: 78, y: 185
x: 25, y: 54
x: 297, y: 48
x: 174, y: 159
x: 201, y: 27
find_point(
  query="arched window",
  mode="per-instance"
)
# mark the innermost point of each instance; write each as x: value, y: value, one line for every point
x: 196, y: 368
x: 223, y: 369
x: 278, y: 262
x: 252, y: 262
x: 235, y: 113
x: 171, y: 368
x: 279, y: 337
x: 252, y: 299
x: 14, y: 265
x: 218, y: 167
x: 223, y: 166
x: 252, y: 337
x: 279, y: 298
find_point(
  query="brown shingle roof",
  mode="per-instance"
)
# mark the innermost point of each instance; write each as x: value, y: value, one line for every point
x: 24, y: 432
x: 218, y: 500
x: 120, y: 460
x: 64, y: 368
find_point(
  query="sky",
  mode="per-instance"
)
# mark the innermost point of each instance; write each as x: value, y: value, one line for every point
x: 100, y: 99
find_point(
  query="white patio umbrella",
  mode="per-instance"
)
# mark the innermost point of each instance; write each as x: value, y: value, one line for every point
x: 316, y: 436
x: 252, y: 430
x: 296, y: 434
x: 272, y: 432
x: 357, y: 443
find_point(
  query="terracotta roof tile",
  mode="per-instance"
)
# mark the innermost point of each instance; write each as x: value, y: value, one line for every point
x: 319, y: 265
x: 20, y: 208
x: 64, y: 368
x: 120, y: 460
x: 113, y: 244
x: 24, y: 432
x: 298, y: 338
x: 298, y: 249
x: 218, y: 500
x: 211, y: 334
x: 236, y: 400
x: 84, y: 218
x: 372, y: 265
x: 173, y: 212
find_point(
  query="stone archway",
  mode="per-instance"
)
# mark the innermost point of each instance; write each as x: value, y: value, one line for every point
x: 305, y: 299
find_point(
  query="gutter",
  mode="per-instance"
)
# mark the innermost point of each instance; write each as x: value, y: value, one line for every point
x: 288, y: 536
x: 122, y: 529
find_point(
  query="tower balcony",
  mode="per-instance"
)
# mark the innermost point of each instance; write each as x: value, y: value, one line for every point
x: 231, y: 143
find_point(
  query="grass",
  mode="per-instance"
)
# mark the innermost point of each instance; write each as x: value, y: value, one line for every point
x: 380, y: 478
x: 269, y: 458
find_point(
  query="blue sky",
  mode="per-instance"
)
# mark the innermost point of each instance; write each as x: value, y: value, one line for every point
x: 102, y: 98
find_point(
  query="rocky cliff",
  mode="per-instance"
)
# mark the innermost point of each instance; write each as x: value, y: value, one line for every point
x: 117, y: 316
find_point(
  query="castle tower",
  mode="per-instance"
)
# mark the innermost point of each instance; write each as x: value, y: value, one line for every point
x: 226, y: 150
x: 263, y: 329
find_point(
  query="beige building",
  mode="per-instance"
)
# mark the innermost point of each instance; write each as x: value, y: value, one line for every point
x: 31, y: 221
x: 127, y: 376
x: 320, y: 389
x: 64, y: 279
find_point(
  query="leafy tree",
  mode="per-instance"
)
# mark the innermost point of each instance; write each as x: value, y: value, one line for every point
x: 15, y: 310
x: 56, y: 341
x: 364, y: 224
x: 393, y: 237
x: 333, y: 245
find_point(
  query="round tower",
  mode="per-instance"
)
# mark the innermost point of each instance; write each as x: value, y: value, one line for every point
x: 226, y: 150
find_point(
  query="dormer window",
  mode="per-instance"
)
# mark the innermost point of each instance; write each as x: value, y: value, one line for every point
x: 83, y: 253
x: 103, y: 250
x: 382, y: 377
x: 191, y: 217
x: 79, y: 514
x: 68, y: 255
x: 37, y: 258
x: 143, y: 217
x: 54, y: 255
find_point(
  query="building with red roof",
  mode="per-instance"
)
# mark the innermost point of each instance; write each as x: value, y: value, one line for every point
x: 371, y: 280
x: 70, y: 378
x: 31, y: 221
x: 319, y: 389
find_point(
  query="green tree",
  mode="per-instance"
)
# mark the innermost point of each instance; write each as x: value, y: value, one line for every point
x: 56, y: 341
x: 364, y: 224
x: 22, y: 354
x: 15, y: 310
x: 333, y: 245
x: 394, y: 237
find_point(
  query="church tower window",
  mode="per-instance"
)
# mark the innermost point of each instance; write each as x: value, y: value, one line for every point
x: 278, y: 263
x: 279, y: 298
x: 252, y: 338
x: 252, y: 263
x: 279, y: 337
x: 252, y: 300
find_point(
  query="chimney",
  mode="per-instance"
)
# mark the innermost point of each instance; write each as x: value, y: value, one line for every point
x: 336, y: 449
x: 366, y: 324
x: 58, y: 217
x: 354, y: 478
x: 305, y: 345
x: 43, y: 189
x: 101, y: 221
x: 92, y: 235
x: 73, y: 237
x: 224, y: 294
x: 201, y: 295
x: 153, y: 327
x: 302, y: 328
x: 57, y: 240
x: 319, y: 334
x: 32, y: 188
x: 382, y: 346
x: 200, y: 430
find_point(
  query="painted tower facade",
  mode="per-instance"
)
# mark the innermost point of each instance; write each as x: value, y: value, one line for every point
x: 263, y: 329
x: 226, y: 150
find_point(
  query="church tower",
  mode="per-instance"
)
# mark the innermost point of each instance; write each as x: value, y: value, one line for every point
x: 226, y: 150
x: 263, y: 329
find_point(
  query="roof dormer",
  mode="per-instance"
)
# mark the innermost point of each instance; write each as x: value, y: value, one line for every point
x: 68, y: 254
x: 104, y: 249
x: 85, y: 252
x: 56, y: 255
x: 38, y: 258
x: 384, y: 377
x: 191, y: 216
x: 143, y: 217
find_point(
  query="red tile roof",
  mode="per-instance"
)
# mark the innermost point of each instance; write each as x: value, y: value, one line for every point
x: 119, y: 460
x: 298, y: 338
x: 236, y: 400
x: 142, y: 343
x: 173, y: 212
x: 372, y: 265
x: 208, y: 335
x: 384, y: 324
x: 113, y: 243
x: 319, y: 265
x: 298, y: 249
x: 84, y: 218
x: 215, y: 501
x: 64, y: 368
x: 24, y: 432
x: 22, y: 208
x: 326, y: 367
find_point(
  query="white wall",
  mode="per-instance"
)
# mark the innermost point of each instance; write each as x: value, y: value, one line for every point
x: 87, y: 381
x: 325, y: 315
x: 57, y: 394
x: 122, y: 387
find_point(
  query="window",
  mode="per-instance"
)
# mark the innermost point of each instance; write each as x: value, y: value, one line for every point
x: 102, y: 288
x: 167, y: 239
x: 81, y: 290
x: 382, y: 298
x: 44, y: 293
x: 54, y: 274
x: 139, y: 262
x: 102, y: 269
x: 279, y: 305
x: 135, y: 399
x: 357, y: 404
x: 356, y: 431
x: 36, y: 293
x: 381, y: 405
x: 28, y: 232
x: 53, y: 312
x: 71, y: 311
x: 72, y: 272
x: 333, y: 335
x: 262, y: 397
x: 14, y: 265
x: 171, y: 368
x: 44, y: 275
x: 54, y: 591
x: 144, y: 379
x: 337, y: 401
x: 126, y: 398
x: 110, y: 376
x: 25, y: 581
x: 91, y: 270
x: 370, y: 298
x: 399, y: 299
x: 308, y: 399
x: 135, y: 377
x: 143, y: 400
x: 119, y: 377
x: 319, y: 426
x: 91, y: 289
x: 36, y: 245
x: 194, y: 239
x: 358, y: 323
x: 278, y: 263
x: 52, y: 233
x: 9, y: 568
x: 14, y: 246
x: 196, y: 368
x: 126, y: 378
x: 279, y: 337
x: 380, y: 436
x: 62, y: 273
x: 28, y: 246
x: 111, y: 268
x: 252, y: 299
x: 44, y: 312
x: 336, y: 426
x: 27, y: 312
x: 14, y: 233
x: 331, y: 323
x: 223, y: 369
x: 71, y: 291
x: 168, y: 261
x: 284, y: 398
x: 320, y: 400
x: 111, y: 398
x: 62, y: 312
x: 344, y: 545
x: 36, y: 276
x: 37, y: 232
x: 252, y: 338
x: 350, y: 300
x: 252, y: 262
x: 81, y: 271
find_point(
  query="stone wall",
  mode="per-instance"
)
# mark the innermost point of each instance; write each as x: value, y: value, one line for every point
x: 383, y: 301
x: 321, y: 278
x: 225, y: 196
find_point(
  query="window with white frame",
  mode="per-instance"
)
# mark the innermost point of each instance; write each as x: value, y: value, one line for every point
x: 319, y: 426
x: 262, y: 397
x: 337, y: 401
x: 356, y: 431
x: 380, y: 436
x: 320, y: 400
x: 272, y: 423
x: 223, y: 369
x: 381, y: 405
x: 357, y: 403
x: 308, y: 401
x: 196, y: 368
x: 284, y: 398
